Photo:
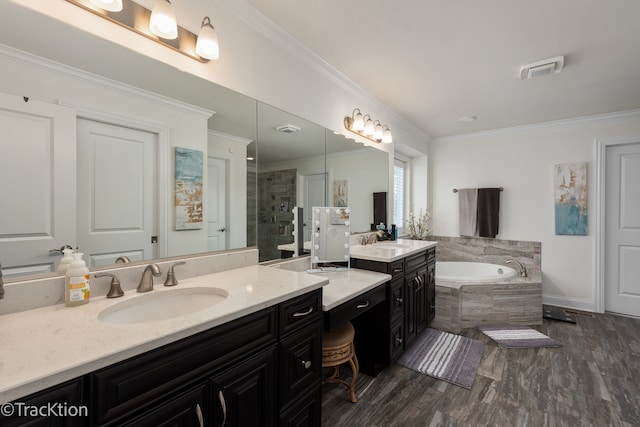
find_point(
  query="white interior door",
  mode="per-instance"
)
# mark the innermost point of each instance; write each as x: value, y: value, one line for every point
x: 622, y: 229
x: 37, y: 184
x: 217, y: 204
x: 117, y: 193
x: 313, y: 194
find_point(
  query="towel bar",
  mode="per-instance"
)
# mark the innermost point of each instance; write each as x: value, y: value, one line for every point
x: 455, y: 190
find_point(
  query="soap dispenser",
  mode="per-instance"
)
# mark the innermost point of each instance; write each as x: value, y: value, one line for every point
x: 65, y: 262
x: 77, y: 282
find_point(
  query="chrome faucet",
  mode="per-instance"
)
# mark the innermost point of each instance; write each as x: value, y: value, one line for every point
x: 146, y: 282
x: 115, y: 291
x: 523, y: 270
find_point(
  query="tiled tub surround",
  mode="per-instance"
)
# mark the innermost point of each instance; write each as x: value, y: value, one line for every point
x: 45, y: 346
x: 461, y: 305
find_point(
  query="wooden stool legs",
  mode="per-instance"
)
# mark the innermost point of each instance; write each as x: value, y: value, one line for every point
x: 338, y: 348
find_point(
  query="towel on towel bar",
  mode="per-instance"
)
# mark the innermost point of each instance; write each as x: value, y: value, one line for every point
x: 468, y: 200
x: 488, y: 211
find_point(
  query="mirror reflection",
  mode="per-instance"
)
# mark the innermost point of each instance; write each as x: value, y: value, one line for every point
x: 109, y: 189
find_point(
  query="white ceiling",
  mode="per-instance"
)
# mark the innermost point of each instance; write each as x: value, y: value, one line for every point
x: 436, y: 61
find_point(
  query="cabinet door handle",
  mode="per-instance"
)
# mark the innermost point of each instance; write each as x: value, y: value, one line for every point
x: 223, y: 405
x: 399, y: 300
x: 398, y: 340
x: 199, y: 415
x: 303, y: 313
x: 306, y: 363
x: 363, y: 305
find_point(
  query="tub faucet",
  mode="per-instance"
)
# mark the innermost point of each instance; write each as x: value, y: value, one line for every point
x: 146, y: 282
x: 523, y: 270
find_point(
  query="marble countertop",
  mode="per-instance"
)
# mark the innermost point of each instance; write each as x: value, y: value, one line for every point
x: 389, y: 250
x: 345, y: 285
x: 46, y: 346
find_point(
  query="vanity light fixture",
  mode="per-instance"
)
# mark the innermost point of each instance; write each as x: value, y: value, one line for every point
x: 158, y: 25
x: 207, y: 46
x: 365, y: 126
x: 163, y: 20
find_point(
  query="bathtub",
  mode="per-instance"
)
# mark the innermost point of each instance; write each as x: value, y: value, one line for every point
x: 477, y: 272
x: 469, y: 294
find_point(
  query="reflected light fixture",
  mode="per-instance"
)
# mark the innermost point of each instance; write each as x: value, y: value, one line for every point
x: 163, y: 20
x: 207, y: 46
x: 110, y: 5
x: 365, y: 126
x: 158, y: 25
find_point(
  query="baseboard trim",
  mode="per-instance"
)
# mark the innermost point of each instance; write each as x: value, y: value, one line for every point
x: 574, y: 303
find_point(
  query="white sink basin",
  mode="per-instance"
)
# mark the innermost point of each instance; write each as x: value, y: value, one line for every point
x: 155, y: 305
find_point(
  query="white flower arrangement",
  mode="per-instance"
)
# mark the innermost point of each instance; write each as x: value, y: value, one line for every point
x: 418, y: 225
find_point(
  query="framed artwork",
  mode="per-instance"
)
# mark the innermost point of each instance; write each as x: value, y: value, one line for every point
x: 570, y: 198
x: 341, y: 193
x: 188, y: 195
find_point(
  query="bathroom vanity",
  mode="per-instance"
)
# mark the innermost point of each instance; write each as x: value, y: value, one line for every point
x: 252, y: 359
x: 410, y: 296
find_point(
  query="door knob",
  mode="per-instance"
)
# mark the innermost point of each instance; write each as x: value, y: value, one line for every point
x: 62, y: 248
x: 223, y: 229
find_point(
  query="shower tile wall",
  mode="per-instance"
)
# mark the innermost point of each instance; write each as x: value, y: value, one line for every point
x: 276, y: 199
x: 252, y: 204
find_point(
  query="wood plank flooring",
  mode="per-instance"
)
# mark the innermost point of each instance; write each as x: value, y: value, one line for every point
x: 593, y: 380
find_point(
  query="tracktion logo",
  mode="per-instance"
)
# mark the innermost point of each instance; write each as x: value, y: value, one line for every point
x: 51, y: 409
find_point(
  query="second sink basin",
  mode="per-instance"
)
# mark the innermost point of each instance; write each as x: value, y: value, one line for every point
x: 155, y: 305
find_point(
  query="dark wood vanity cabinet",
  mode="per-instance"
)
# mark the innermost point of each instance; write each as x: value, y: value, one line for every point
x: 410, y: 295
x: 260, y: 370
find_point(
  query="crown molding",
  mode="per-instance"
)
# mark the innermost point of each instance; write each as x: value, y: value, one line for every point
x: 542, y: 125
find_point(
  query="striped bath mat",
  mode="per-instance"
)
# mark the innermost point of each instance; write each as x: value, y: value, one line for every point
x: 449, y: 357
x: 517, y: 336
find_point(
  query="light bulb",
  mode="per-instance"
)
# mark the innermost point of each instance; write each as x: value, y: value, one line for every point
x: 358, y: 122
x: 163, y: 20
x: 377, y: 132
x: 368, y: 127
x: 207, y: 44
x: 110, y: 5
x: 387, y: 138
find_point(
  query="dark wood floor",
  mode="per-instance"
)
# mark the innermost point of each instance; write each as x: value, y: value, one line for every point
x: 593, y: 380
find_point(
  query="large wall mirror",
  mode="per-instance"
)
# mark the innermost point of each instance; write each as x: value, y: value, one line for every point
x: 259, y: 162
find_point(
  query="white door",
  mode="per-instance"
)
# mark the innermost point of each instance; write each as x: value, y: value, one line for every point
x: 622, y: 229
x: 217, y: 204
x: 313, y: 195
x: 37, y: 184
x: 117, y: 193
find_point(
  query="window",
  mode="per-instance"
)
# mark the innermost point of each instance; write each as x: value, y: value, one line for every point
x: 399, y: 189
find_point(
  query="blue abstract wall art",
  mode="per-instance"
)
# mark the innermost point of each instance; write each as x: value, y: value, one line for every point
x: 570, y: 197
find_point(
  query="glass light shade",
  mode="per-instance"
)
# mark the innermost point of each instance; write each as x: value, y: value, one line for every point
x: 207, y: 44
x: 387, y: 138
x: 368, y: 127
x: 110, y: 5
x: 377, y: 131
x: 163, y: 20
x: 358, y: 122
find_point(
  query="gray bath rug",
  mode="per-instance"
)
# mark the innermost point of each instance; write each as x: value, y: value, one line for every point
x: 517, y: 336
x: 448, y: 357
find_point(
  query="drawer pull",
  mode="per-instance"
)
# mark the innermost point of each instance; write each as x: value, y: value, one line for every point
x: 223, y: 405
x: 398, y: 340
x: 199, y: 415
x: 397, y: 270
x: 399, y: 300
x: 306, y: 363
x: 303, y: 313
x: 363, y: 305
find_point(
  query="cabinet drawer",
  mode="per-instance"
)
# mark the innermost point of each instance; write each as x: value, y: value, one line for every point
x: 354, y: 307
x: 431, y: 255
x: 416, y: 261
x: 143, y: 380
x: 396, y: 339
x: 300, y: 311
x: 300, y: 362
x: 396, y: 269
x: 305, y: 412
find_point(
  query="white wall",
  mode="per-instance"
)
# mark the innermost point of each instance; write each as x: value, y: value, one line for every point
x: 521, y: 160
x: 184, y: 126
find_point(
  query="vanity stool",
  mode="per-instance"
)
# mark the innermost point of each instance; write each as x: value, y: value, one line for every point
x: 337, y: 348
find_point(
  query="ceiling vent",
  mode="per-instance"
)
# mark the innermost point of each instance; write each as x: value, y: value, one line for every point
x: 542, y: 68
x: 287, y: 128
